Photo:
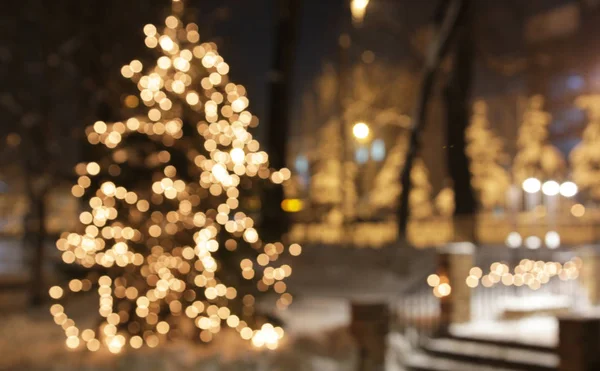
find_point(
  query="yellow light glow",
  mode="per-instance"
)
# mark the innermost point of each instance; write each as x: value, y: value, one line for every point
x: 358, y: 9
x: 361, y: 130
x: 292, y: 205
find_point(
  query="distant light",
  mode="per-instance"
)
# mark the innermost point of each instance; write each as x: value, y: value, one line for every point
x: 550, y: 188
x: 514, y: 240
x: 575, y: 82
x: 444, y: 289
x: 301, y: 164
x: 552, y: 240
x: 292, y: 205
x: 578, y: 210
x: 433, y: 280
x: 358, y: 9
x: 472, y: 281
x: 378, y: 150
x: 532, y: 185
x: 533, y: 242
x: 568, y: 189
x: 360, y: 130
x: 476, y: 272
x: 362, y: 155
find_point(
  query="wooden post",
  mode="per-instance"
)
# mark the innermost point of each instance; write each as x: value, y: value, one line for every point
x: 454, y: 262
x: 591, y: 263
x: 578, y: 344
x: 370, y: 327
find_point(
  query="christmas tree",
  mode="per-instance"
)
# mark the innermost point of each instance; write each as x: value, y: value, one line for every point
x: 325, y: 182
x: 386, y: 187
x: 585, y: 158
x: 166, y: 237
x: 487, y: 156
x: 373, y: 96
x: 536, y: 157
x: 444, y: 202
x: 420, y: 195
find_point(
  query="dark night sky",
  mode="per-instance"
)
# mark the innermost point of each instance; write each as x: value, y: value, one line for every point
x: 245, y: 36
x: 246, y: 41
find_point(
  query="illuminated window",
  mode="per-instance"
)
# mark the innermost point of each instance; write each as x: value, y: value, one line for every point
x: 362, y: 155
x: 301, y: 164
x: 378, y: 150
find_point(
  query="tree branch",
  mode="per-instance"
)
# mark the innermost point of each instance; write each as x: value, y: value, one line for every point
x: 452, y: 10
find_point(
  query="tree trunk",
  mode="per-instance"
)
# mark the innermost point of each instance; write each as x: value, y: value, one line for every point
x: 275, y: 222
x: 447, y: 20
x: 38, y: 206
x: 457, y: 94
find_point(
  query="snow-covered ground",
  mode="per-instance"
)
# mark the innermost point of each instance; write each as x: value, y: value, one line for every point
x: 537, y: 330
x: 324, y: 282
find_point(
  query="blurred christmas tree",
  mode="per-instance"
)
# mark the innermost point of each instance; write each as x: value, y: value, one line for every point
x: 167, y: 238
x: 444, y: 202
x: 325, y: 182
x: 490, y: 179
x: 386, y: 187
x: 420, y: 195
x: 380, y: 94
x: 536, y: 157
x: 585, y: 158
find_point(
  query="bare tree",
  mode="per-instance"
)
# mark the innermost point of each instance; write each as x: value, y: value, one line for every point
x: 275, y: 222
x: 447, y: 20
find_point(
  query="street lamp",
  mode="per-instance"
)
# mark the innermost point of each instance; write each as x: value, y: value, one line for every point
x: 550, y: 188
x: 532, y: 185
x: 358, y: 9
x: 361, y: 131
x: 568, y: 189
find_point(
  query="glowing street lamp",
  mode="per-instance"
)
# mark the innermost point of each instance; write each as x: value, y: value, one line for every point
x: 514, y: 240
x: 361, y: 130
x: 552, y: 239
x: 533, y: 242
x: 550, y: 188
x: 568, y: 189
x: 358, y: 9
x: 532, y: 185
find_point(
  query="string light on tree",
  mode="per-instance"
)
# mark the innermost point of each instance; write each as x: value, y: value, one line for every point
x: 488, y: 159
x: 584, y: 159
x: 536, y: 157
x: 165, y: 218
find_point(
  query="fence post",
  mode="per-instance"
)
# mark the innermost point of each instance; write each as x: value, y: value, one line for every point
x: 578, y: 343
x: 454, y: 263
x: 591, y: 263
